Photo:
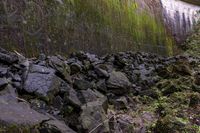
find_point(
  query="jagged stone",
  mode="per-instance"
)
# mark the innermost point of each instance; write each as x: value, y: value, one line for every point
x: 93, y: 117
x: 82, y: 84
x: 71, y: 97
x: 3, y: 83
x: 101, y: 86
x: 7, y: 57
x: 20, y: 115
x: 121, y: 103
x: 42, y: 81
x: 101, y: 73
x: 60, y: 66
x: 3, y: 71
x: 75, y: 68
x: 118, y: 83
x: 57, y: 102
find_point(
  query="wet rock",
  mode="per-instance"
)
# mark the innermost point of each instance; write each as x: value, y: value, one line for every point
x: 101, y: 73
x: 3, y: 71
x: 64, y: 87
x: 57, y: 102
x: 121, y: 60
x: 60, y: 66
x: 41, y: 69
x: 80, y: 55
x: 53, y: 126
x: 136, y: 81
x: 93, y: 117
x: 42, y: 57
x: 71, y: 97
x: 89, y: 95
x: 92, y: 58
x: 42, y: 82
x: 126, y: 123
x: 75, y: 68
x: 101, y: 86
x: 3, y: 83
x: 86, y: 64
x: 17, y: 85
x: 108, y: 67
x: 118, y: 83
x: 9, y: 93
x: 121, y: 103
x: 82, y: 84
x: 92, y: 75
x: 38, y: 104
x: 7, y: 57
x: 19, y: 113
x: 16, y: 78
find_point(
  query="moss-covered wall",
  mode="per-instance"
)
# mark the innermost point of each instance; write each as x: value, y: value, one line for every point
x: 112, y: 25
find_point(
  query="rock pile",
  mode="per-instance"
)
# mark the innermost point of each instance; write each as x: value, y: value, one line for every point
x: 123, y: 92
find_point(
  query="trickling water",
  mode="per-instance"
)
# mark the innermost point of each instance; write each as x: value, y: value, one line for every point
x: 180, y: 17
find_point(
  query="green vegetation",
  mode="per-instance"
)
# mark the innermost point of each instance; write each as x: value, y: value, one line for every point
x: 195, y: 2
x: 192, y: 44
x: 76, y: 24
x: 176, y: 108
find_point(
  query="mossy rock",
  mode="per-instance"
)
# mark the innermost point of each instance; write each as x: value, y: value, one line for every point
x: 194, y: 100
x: 171, y: 124
x: 18, y: 129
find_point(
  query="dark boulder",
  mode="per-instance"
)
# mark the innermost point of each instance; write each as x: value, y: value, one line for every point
x: 7, y: 57
x: 81, y: 84
x: 57, y: 102
x: 101, y: 86
x: 42, y: 82
x: 3, y: 71
x: 118, y: 83
x: 61, y: 67
x: 101, y: 72
x: 76, y: 67
x: 90, y: 95
x: 71, y: 97
x: 3, y: 83
x: 121, y: 103
x: 37, y: 104
x: 92, y: 57
x: 13, y: 112
x: 93, y: 117
x: 57, y: 126
x: 19, y: 115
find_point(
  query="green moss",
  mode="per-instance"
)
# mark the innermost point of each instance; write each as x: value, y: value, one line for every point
x: 18, y: 129
x: 116, y: 24
x: 192, y: 45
